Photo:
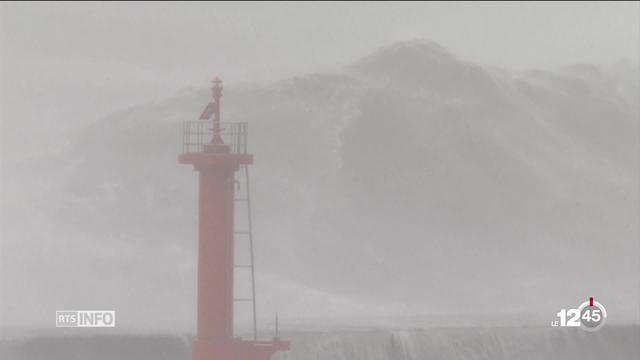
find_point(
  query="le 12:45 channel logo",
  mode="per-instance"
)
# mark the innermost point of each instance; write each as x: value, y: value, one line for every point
x: 590, y: 316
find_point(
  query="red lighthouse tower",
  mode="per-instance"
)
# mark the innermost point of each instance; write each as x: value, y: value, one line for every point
x: 217, y: 153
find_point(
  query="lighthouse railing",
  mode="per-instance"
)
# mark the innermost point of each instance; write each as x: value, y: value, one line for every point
x: 197, y: 133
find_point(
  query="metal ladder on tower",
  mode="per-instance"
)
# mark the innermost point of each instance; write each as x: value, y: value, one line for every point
x: 247, y: 234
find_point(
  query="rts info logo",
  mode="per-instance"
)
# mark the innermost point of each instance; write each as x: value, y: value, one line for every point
x: 86, y: 318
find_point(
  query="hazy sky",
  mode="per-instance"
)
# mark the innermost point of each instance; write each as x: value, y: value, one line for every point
x: 63, y: 65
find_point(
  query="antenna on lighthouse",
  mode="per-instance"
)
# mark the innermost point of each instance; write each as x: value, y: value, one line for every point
x: 212, y: 111
x: 216, y: 92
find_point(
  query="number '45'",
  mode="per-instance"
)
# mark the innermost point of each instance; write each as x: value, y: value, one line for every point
x: 592, y: 315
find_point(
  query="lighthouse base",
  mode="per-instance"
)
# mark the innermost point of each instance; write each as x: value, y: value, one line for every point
x: 232, y: 349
